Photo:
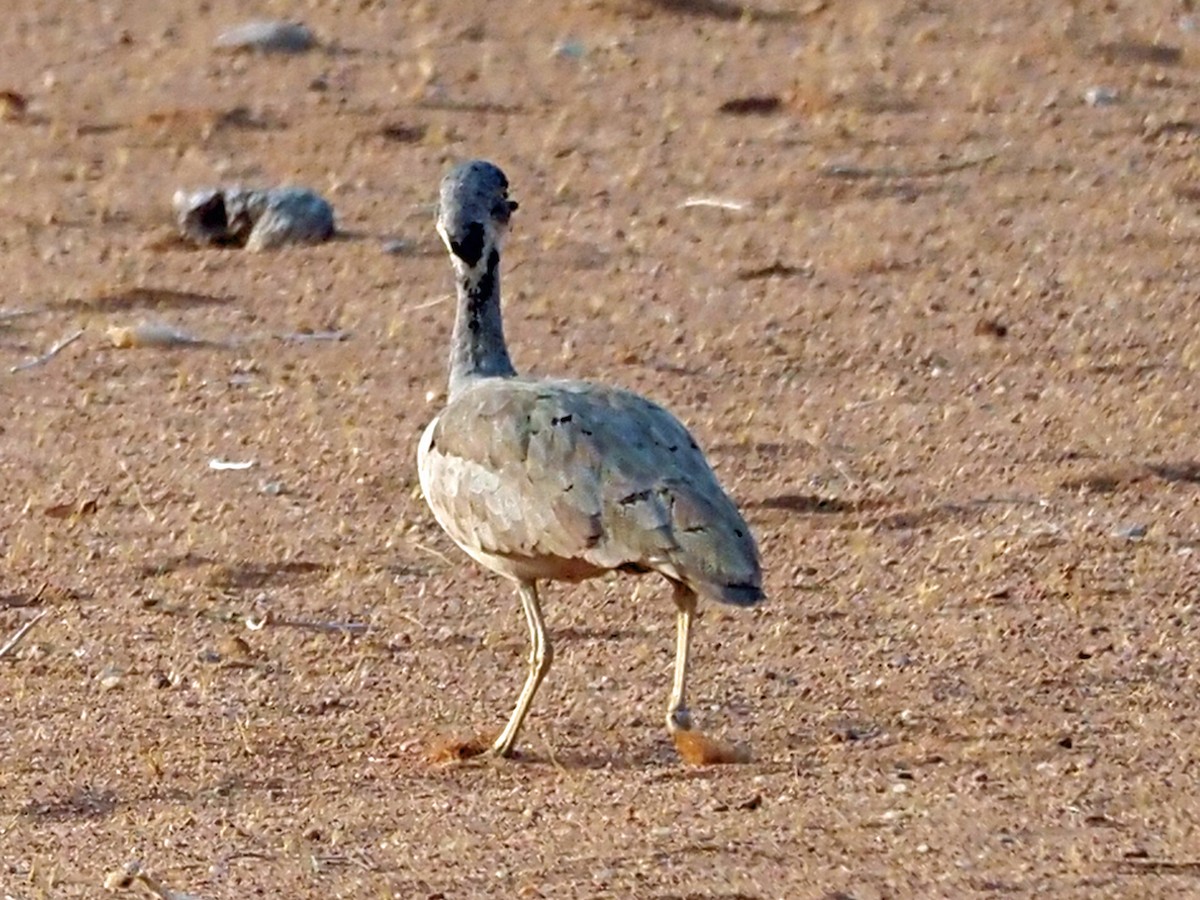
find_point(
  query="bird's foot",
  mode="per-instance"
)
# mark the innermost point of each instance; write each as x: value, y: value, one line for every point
x: 454, y: 750
x: 679, y: 719
x: 697, y: 750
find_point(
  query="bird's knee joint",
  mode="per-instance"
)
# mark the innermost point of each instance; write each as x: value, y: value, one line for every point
x: 541, y: 656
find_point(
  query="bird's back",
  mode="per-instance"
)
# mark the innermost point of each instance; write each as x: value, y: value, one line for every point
x: 566, y: 479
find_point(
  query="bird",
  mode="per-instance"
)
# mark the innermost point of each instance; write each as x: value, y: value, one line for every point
x: 548, y: 479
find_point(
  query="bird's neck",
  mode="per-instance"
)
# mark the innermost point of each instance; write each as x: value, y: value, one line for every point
x: 478, y: 349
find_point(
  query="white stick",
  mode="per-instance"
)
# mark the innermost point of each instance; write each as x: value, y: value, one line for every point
x: 716, y: 202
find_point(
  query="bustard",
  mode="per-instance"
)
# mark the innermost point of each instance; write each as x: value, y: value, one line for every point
x: 546, y: 479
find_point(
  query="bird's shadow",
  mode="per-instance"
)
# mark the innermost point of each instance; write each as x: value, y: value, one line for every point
x: 619, y: 759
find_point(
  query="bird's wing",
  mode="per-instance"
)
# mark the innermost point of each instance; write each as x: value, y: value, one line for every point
x: 578, y: 471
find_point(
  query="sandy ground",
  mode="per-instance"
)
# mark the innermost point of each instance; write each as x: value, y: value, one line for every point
x: 935, y: 319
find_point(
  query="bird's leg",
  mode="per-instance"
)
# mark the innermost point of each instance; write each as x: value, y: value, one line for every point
x: 541, y: 654
x: 678, y: 717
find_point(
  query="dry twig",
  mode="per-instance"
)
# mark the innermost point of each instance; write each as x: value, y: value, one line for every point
x: 257, y: 623
x: 7, y: 315
x: 855, y: 173
x: 310, y: 337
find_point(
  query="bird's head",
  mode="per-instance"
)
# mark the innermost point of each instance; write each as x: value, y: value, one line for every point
x: 473, y: 213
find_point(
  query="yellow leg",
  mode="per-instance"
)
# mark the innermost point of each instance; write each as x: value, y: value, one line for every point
x: 540, y: 656
x: 678, y: 717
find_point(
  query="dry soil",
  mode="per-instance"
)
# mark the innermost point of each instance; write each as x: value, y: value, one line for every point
x: 923, y: 278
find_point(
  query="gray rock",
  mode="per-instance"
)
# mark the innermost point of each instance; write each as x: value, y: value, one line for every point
x: 1101, y: 96
x: 265, y: 36
x: 1134, y: 532
x: 256, y: 219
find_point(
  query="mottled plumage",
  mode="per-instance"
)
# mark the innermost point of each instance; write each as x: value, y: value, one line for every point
x: 567, y: 479
x: 564, y: 480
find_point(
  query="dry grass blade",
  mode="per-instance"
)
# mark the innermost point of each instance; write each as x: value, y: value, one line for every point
x: 49, y: 354
x: 7, y: 315
x: 853, y: 172
x: 19, y: 635
x: 309, y: 337
x: 347, y: 628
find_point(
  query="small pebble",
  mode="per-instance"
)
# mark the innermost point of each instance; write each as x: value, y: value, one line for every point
x: 1134, y: 532
x: 1100, y: 96
x: 266, y: 36
x: 235, y: 648
x: 109, y: 678
x: 570, y: 49
x: 397, y: 246
x: 13, y: 105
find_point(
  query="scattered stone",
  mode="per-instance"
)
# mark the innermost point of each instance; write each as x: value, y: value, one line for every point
x: 403, y: 133
x: 751, y: 804
x: 235, y: 648
x: 992, y: 328
x: 265, y: 36
x: 335, y: 336
x: 1134, y: 532
x: 1100, y: 96
x: 398, y: 246
x: 257, y: 219
x: 755, y: 105
x: 110, y: 678
x: 570, y: 49
x: 13, y: 105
